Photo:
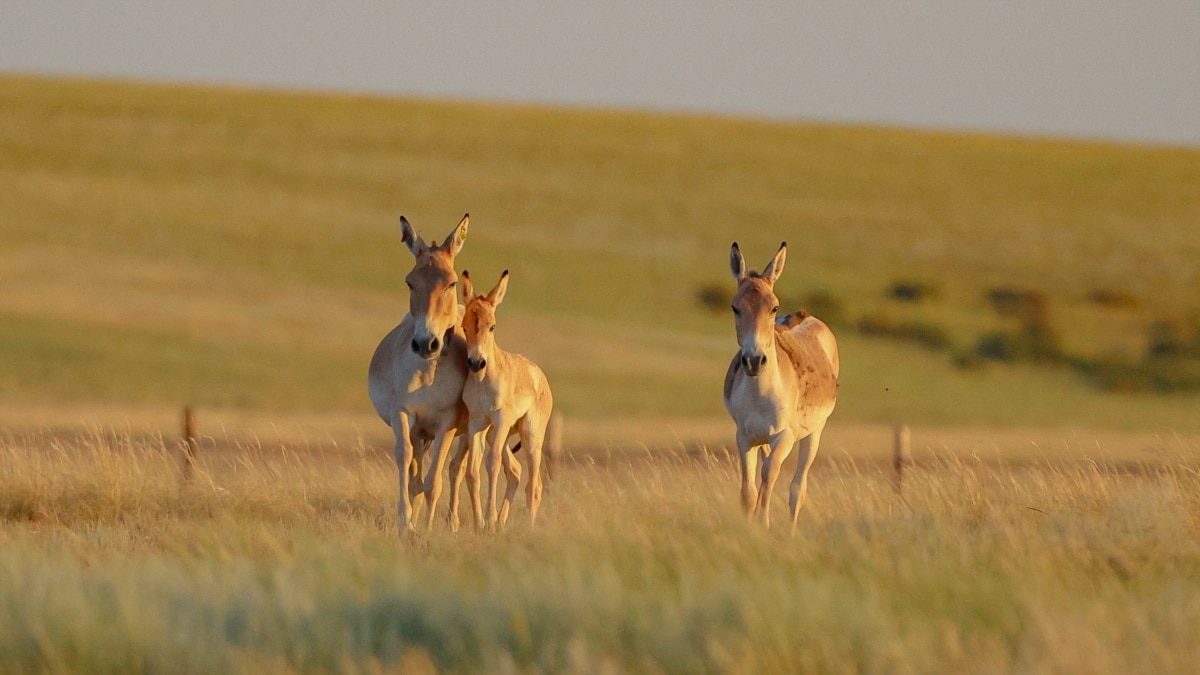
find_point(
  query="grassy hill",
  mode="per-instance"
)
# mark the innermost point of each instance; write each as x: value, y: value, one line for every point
x: 238, y: 249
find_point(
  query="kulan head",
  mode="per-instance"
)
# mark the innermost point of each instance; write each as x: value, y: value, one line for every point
x: 755, y: 308
x: 479, y: 321
x: 431, y: 299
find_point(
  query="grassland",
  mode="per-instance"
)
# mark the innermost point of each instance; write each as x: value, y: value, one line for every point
x: 237, y: 249
x: 284, y: 558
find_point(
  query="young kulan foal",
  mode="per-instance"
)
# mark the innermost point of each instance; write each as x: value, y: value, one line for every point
x: 505, y: 393
x: 780, y: 387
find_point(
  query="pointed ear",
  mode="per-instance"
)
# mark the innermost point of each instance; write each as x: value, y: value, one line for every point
x: 775, y: 268
x: 454, y: 242
x: 737, y: 264
x: 466, y: 288
x: 415, y: 244
x: 497, y: 295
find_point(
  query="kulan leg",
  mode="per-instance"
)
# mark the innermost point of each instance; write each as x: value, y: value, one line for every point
x: 804, y: 460
x: 781, y: 447
x: 475, y: 451
x: 437, y: 463
x: 459, y: 461
x: 416, y: 484
x: 403, y: 453
x: 533, y: 436
x: 512, y: 481
x: 493, y: 461
x: 748, y: 456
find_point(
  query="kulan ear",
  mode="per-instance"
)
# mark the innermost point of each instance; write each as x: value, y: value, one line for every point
x: 415, y: 244
x: 466, y: 288
x: 737, y: 264
x: 458, y: 236
x: 775, y: 268
x: 497, y: 295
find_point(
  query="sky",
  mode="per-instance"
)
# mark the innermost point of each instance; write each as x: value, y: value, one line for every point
x: 1103, y: 69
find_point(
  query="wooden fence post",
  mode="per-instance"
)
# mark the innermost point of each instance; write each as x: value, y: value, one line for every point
x: 901, y: 454
x: 191, y: 443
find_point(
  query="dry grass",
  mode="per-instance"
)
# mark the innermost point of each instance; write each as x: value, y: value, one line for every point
x: 237, y: 250
x: 285, y: 557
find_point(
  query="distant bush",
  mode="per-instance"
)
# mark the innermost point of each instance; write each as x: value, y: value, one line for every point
x: 1170, y: 364
x: 1115, y: 372
x: 928, y: 335
x: 825, y: 306
x: 713, y: 297
x: 912, y: 291
x: 1170, y: 339
x: 1035, y: 339
x: 1163, y: 376
x: 1107, y: 297
x: 1175, y: 376
x: 966, y: 359
x: 1017, y: 302
x: 1000, y: 346
x: 1029, y: 344
x: 1164, y: 341
x: 1172, y: 357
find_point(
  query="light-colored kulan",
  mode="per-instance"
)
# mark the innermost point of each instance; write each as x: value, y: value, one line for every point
x: 780, y: 388
x: 417, y: 373
x: 505, y: 394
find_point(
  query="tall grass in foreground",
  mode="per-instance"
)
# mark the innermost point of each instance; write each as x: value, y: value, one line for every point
x: 288, y: 559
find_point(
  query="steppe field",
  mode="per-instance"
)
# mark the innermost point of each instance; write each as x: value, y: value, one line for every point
x: 237, y: 252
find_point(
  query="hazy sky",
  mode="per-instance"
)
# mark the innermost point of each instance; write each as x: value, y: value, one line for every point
x: 1125, y: 70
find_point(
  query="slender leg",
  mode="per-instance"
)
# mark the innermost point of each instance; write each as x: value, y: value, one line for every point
x: 533, y: 439
x: 416, y: 487
x: 749, y: 468
x: 513, y: 470
x: 799, y: 490
x: 493, y: 462
x: 781, y: 447
x: 403, y: 453
x: 458, y: 465
x: 437, y: 463
x: 512, y: 479
x: 475, y: 449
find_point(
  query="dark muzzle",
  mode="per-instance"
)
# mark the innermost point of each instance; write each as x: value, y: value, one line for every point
x: 476, y: 365
x: 427, y: 349
x: 754, y: 363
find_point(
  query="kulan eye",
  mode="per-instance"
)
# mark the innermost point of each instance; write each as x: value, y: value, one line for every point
x: 492, y: 329
x: 735, y: 310
x: 775, y: 309
x: 408, y: 283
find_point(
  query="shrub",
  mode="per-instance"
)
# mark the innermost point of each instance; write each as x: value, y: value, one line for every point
x: 912, y: 291
x: 713, y: 297
x: 825, y: 306
x: 1115, y: 372
x: 966, y: 359
x: 1107, y: 297
x: 1000, y: 346
x: 1035, y: 340
x: 928, y: 335
x: 1020, y: 303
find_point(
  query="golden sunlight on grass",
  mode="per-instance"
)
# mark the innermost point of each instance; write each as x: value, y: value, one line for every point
x: 287, y: 554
